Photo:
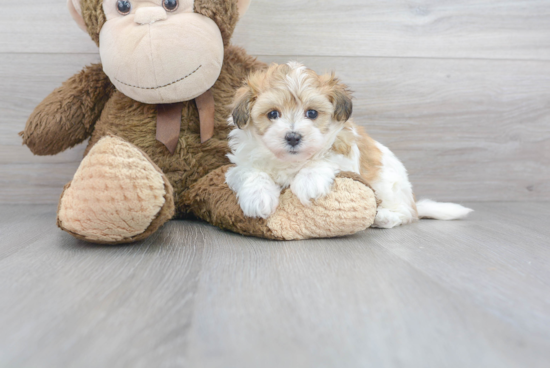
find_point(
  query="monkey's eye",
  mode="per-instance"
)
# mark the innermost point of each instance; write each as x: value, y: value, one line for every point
x: 274, y: 115
x: 312, y: 114
x: 170, y: 5
x: 124, y: 7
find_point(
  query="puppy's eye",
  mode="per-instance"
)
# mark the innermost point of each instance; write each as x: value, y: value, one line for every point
x: 170, y: 5
x: 312, y: 114
x: 274, y: 115
x: 123, y: 7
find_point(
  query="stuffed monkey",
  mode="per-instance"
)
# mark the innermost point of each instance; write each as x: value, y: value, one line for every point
x: 155, y: 113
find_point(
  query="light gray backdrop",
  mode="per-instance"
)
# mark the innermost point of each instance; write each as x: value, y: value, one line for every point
x: 459, y: 90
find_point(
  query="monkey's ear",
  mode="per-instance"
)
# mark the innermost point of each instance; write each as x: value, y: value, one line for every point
x: 242, y: 107
x: 243, y: 6
x: 76, y: 12
x: 340, y: 96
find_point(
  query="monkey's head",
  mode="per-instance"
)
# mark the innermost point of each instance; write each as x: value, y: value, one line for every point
x: 160, y: 51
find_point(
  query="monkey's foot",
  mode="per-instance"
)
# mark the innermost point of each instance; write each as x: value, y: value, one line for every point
x: 118, y: 195
x: 348, y: 209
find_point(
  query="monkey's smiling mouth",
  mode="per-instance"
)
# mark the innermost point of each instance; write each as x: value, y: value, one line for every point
x: 163, y: 86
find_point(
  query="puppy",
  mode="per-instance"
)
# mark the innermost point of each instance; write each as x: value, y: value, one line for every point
x: 294, y: 130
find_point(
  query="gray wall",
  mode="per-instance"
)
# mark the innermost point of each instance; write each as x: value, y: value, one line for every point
x: 459, y: 90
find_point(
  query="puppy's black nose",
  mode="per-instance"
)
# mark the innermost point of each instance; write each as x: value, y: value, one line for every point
x: 293, y: 139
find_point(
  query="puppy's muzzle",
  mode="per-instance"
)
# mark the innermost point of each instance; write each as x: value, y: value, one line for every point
x: 293, y: 139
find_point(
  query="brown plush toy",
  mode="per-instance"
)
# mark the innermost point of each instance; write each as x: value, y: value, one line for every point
x: 155, y: 111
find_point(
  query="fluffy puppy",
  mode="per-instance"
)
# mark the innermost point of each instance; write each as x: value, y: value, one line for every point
x: 294, y: 130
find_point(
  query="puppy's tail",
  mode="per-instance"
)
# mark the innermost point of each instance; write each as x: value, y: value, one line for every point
x: 441, y: 211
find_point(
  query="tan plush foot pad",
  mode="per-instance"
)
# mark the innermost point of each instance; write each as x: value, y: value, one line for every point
x: 348, y: 209
x: 117, y: 195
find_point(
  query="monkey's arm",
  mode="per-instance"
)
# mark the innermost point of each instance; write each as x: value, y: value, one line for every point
x: 68, y: 115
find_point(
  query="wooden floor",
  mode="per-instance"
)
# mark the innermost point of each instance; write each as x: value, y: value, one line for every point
x: 472, y: 293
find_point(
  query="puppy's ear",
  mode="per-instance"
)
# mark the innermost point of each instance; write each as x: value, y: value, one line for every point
x: 340, y: 96
x: 242, y: 107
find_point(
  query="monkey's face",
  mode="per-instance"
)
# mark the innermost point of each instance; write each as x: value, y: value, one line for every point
x: 160, y: 51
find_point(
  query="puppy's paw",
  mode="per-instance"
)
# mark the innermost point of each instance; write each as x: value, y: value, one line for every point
x: 312, y: 183
x: 260, y: 204
x: 387, y: 219
x: 258, y: 195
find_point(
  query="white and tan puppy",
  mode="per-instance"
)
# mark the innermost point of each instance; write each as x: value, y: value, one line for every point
x: 294, y: 130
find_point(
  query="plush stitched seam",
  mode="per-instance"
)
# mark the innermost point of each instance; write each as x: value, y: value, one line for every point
x: 166, y: 85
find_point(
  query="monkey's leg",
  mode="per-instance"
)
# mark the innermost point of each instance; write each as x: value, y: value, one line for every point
x: 348, y: 209
x: 118, y: 195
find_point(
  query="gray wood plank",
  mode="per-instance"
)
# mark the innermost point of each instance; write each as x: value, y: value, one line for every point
x: 516, y: 29
x: 471, y: 293
x: 466, y: 129
x: 522, y: 216
x: 21, y: 226
x: 41, y: 26
x: 429, y: 28
x: 69, y: 304
x: 345, y: 303
x: 489, y: 260
x: 35, y: 183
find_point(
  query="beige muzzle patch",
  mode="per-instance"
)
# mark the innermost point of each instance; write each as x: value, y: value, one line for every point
x: 155, y: 58
x: 150, y: 15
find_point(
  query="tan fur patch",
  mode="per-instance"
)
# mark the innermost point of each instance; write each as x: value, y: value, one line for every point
x: 345, y: 140
x: 262, y: 124
x: 371, y: 156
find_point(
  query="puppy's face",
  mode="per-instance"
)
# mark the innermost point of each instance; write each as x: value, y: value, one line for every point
x: 292, y: 110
